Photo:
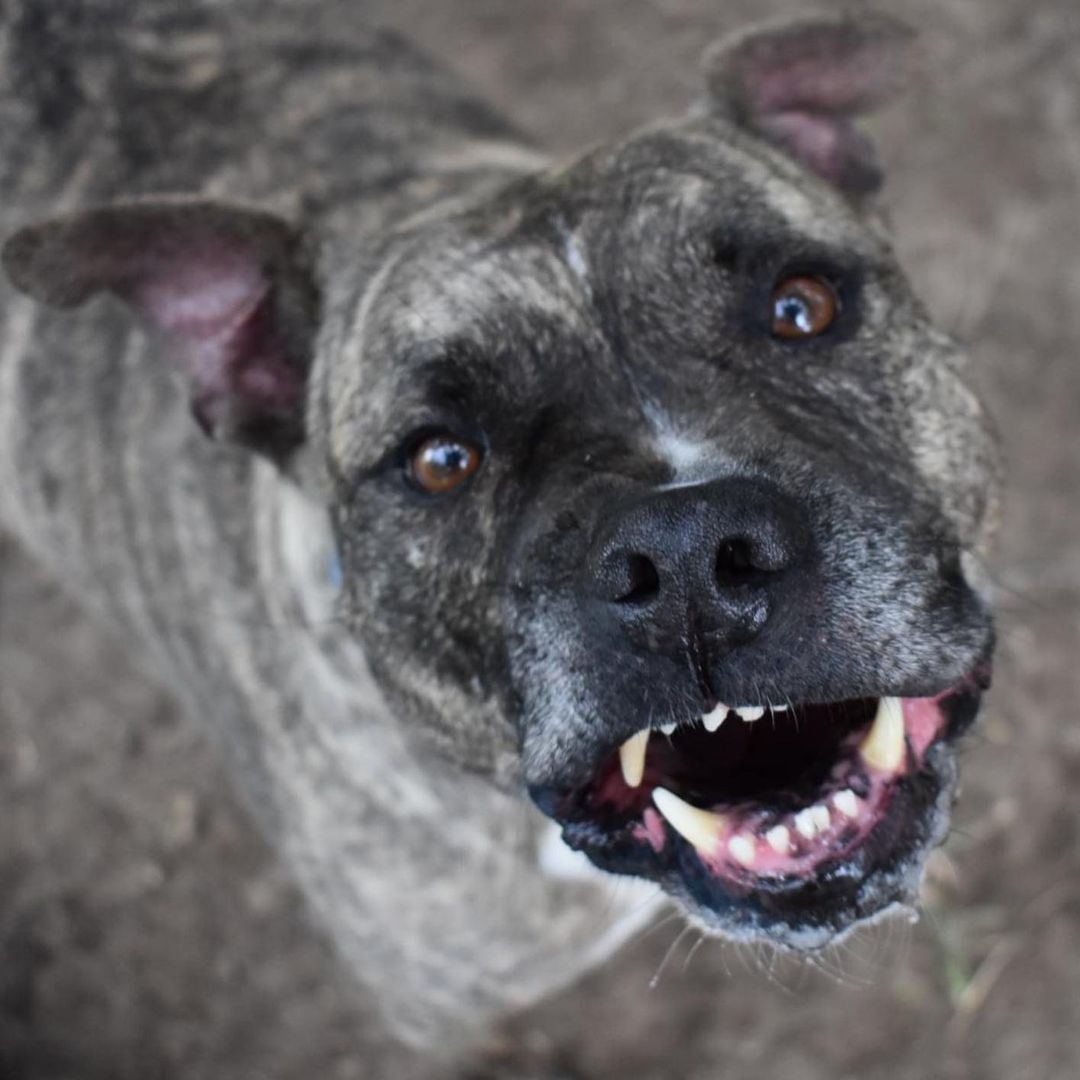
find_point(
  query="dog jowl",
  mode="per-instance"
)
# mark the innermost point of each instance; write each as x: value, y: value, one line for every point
x: 646, y: 470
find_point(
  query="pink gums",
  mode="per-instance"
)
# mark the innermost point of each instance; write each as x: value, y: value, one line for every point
x: 923, y: 721
x: 866, y: 795
x: 651, y: 829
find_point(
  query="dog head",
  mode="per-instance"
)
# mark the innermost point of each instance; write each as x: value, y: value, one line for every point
x: 648, y: 471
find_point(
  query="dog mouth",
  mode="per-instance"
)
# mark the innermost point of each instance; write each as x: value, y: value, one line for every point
x: 794, y: 821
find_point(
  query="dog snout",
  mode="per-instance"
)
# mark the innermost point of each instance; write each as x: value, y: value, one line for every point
x: 712, y: 553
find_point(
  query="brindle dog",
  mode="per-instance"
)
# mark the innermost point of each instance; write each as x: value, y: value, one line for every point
x: 637, y: 483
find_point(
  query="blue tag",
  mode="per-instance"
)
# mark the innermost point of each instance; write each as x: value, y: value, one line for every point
x: 333, y: 572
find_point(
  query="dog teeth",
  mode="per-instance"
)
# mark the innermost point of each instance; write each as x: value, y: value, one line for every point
x: 700, y: 828
x: 632, y: 758
x: 713, y: 720
x: 713, y: 834
x: 883, y: 747
x: 806, y: 824
x: 779, y: 839
x: 847, y: 803
x: 743, y: 850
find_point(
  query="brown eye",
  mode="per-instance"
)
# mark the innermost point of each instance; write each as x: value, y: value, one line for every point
x: 441, y: 462
x: 802, y: 307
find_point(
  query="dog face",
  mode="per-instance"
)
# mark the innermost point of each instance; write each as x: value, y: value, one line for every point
x: 594, y: 485
x: 649, y: 476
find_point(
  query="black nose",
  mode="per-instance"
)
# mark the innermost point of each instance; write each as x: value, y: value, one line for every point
x: 713, y: 553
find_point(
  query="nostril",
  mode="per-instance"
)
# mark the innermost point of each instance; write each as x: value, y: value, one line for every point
x: 642, y: 579
x: 735, y: 563
x: 638, y: 582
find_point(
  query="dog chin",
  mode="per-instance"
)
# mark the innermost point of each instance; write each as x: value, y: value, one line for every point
x: 787, y: 822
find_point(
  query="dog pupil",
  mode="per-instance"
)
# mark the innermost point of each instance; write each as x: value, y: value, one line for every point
x: 445, y: 462
x: 794, y: 310
x: 447, y: 458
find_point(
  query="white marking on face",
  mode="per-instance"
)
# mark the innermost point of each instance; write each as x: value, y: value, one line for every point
x: 693, y: 460
x: 680, y: 452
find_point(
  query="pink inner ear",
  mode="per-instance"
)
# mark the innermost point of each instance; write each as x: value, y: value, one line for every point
x: 215, y: 301
x: 830, y: 78
x: 816, y: 142
x: 831, y: 147
x: 803, y: 84
x: 200, y: 293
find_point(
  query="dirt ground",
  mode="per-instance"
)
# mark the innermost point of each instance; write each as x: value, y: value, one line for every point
x: 146, y: 932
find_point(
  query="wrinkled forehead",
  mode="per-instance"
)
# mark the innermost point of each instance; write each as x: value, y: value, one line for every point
x: 439, y: 303
x: 534, y: 262
x: 705, y: 172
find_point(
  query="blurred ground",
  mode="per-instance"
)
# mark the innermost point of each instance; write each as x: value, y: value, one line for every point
x: 145, y: 931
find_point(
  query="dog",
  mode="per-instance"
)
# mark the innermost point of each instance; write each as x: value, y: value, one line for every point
x: 541, y: 541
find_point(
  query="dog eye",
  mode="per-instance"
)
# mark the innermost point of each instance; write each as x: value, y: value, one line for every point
x: 440, y: 462
x: 803, y: 307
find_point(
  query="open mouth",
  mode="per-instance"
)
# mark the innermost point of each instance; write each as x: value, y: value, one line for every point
x: 795, y: 820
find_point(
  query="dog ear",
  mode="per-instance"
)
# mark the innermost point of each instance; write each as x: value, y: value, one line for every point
x: 228, y: 286
x: 801, y: 84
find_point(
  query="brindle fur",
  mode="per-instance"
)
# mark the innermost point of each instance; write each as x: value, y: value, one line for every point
x: 585, y: 320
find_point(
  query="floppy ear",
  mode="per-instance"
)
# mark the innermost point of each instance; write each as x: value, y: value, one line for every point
x: 801, y: 84
x: 228, y: 286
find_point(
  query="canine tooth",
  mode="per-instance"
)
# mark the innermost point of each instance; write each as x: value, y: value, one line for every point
x: 712, y: 720
x: 750, y: 713
x: 806, y: 824
x: 846, y: 802
x: 668, y: 729
x: 822, y: 820
x: 742, y: 850
x: 700, y: 827
x: 883, y: 747
x: 779, y: 839
x: 632, y: 758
